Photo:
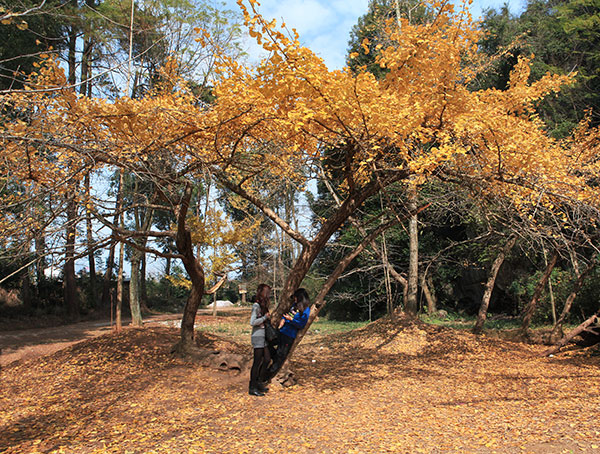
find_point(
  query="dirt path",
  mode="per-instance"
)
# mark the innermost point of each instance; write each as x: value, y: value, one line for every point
x: 32, y: 343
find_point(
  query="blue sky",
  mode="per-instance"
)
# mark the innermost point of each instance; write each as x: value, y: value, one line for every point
x: 324, y: 25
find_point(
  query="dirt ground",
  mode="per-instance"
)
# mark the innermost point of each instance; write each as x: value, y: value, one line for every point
x: 25, y: 344
x: 399, y: 388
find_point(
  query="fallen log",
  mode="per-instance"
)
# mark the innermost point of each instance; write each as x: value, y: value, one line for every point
x: 567, y: 338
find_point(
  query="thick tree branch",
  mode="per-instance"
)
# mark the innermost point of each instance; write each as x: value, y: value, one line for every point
x: 217, y: 286
x: 397, y: 276
x: 239, y: 190
x: 133, y: 244
x: 133, y: 233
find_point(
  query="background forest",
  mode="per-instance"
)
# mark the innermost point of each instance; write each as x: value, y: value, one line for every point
x: 439, y: 245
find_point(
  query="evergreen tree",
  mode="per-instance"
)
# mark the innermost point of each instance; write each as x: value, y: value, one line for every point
x: 27, y: 36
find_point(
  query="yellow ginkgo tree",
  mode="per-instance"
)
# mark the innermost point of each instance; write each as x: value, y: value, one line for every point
x: 420, y: 121
x: 281, y: 118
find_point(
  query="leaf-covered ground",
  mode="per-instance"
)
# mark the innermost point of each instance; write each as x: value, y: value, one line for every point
x: 400, y: 388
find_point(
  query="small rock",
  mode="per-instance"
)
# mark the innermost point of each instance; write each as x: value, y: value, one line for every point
x: 442, y: 313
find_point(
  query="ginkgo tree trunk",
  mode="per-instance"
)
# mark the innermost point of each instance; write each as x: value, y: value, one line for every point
x: 310, y: 248
x: 491, y: 282
x: 411, y: 304
x: 185, y: 246
x: 530, y: 309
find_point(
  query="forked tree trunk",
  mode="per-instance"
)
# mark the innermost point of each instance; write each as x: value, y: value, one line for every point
x: 384, y: 259
x: 557, y: 329
x: 310, y: 249
x: 294, y: 279
x: 485, y: 300
x: 319, y: 301
x: 530, y: 309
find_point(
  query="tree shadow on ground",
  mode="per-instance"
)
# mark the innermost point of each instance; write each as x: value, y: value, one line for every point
x: 67, y: 333
x: 89, y: 382
x: 344, y: 362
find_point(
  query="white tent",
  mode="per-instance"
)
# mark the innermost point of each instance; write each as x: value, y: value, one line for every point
x: 221, y: 303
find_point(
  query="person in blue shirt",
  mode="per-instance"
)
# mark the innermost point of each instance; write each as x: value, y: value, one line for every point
x: 289, y: 326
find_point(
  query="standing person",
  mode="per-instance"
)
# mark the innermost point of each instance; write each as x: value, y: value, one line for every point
x: 289, y: 326
x: 262, y: 357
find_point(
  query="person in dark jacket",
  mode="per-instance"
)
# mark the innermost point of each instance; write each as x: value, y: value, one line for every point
x: 262, y: 357
x: 289, y: 326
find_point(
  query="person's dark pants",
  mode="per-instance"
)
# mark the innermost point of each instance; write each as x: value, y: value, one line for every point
x: 283, y: 349
x: 272, y: 347
x: 258, y: 373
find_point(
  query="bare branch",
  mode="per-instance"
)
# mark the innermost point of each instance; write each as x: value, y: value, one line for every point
x: 9, y: 15
x: 294, y: 234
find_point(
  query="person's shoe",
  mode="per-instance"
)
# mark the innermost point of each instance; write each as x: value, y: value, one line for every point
x: 262, y: 388
x: 255, y: 392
